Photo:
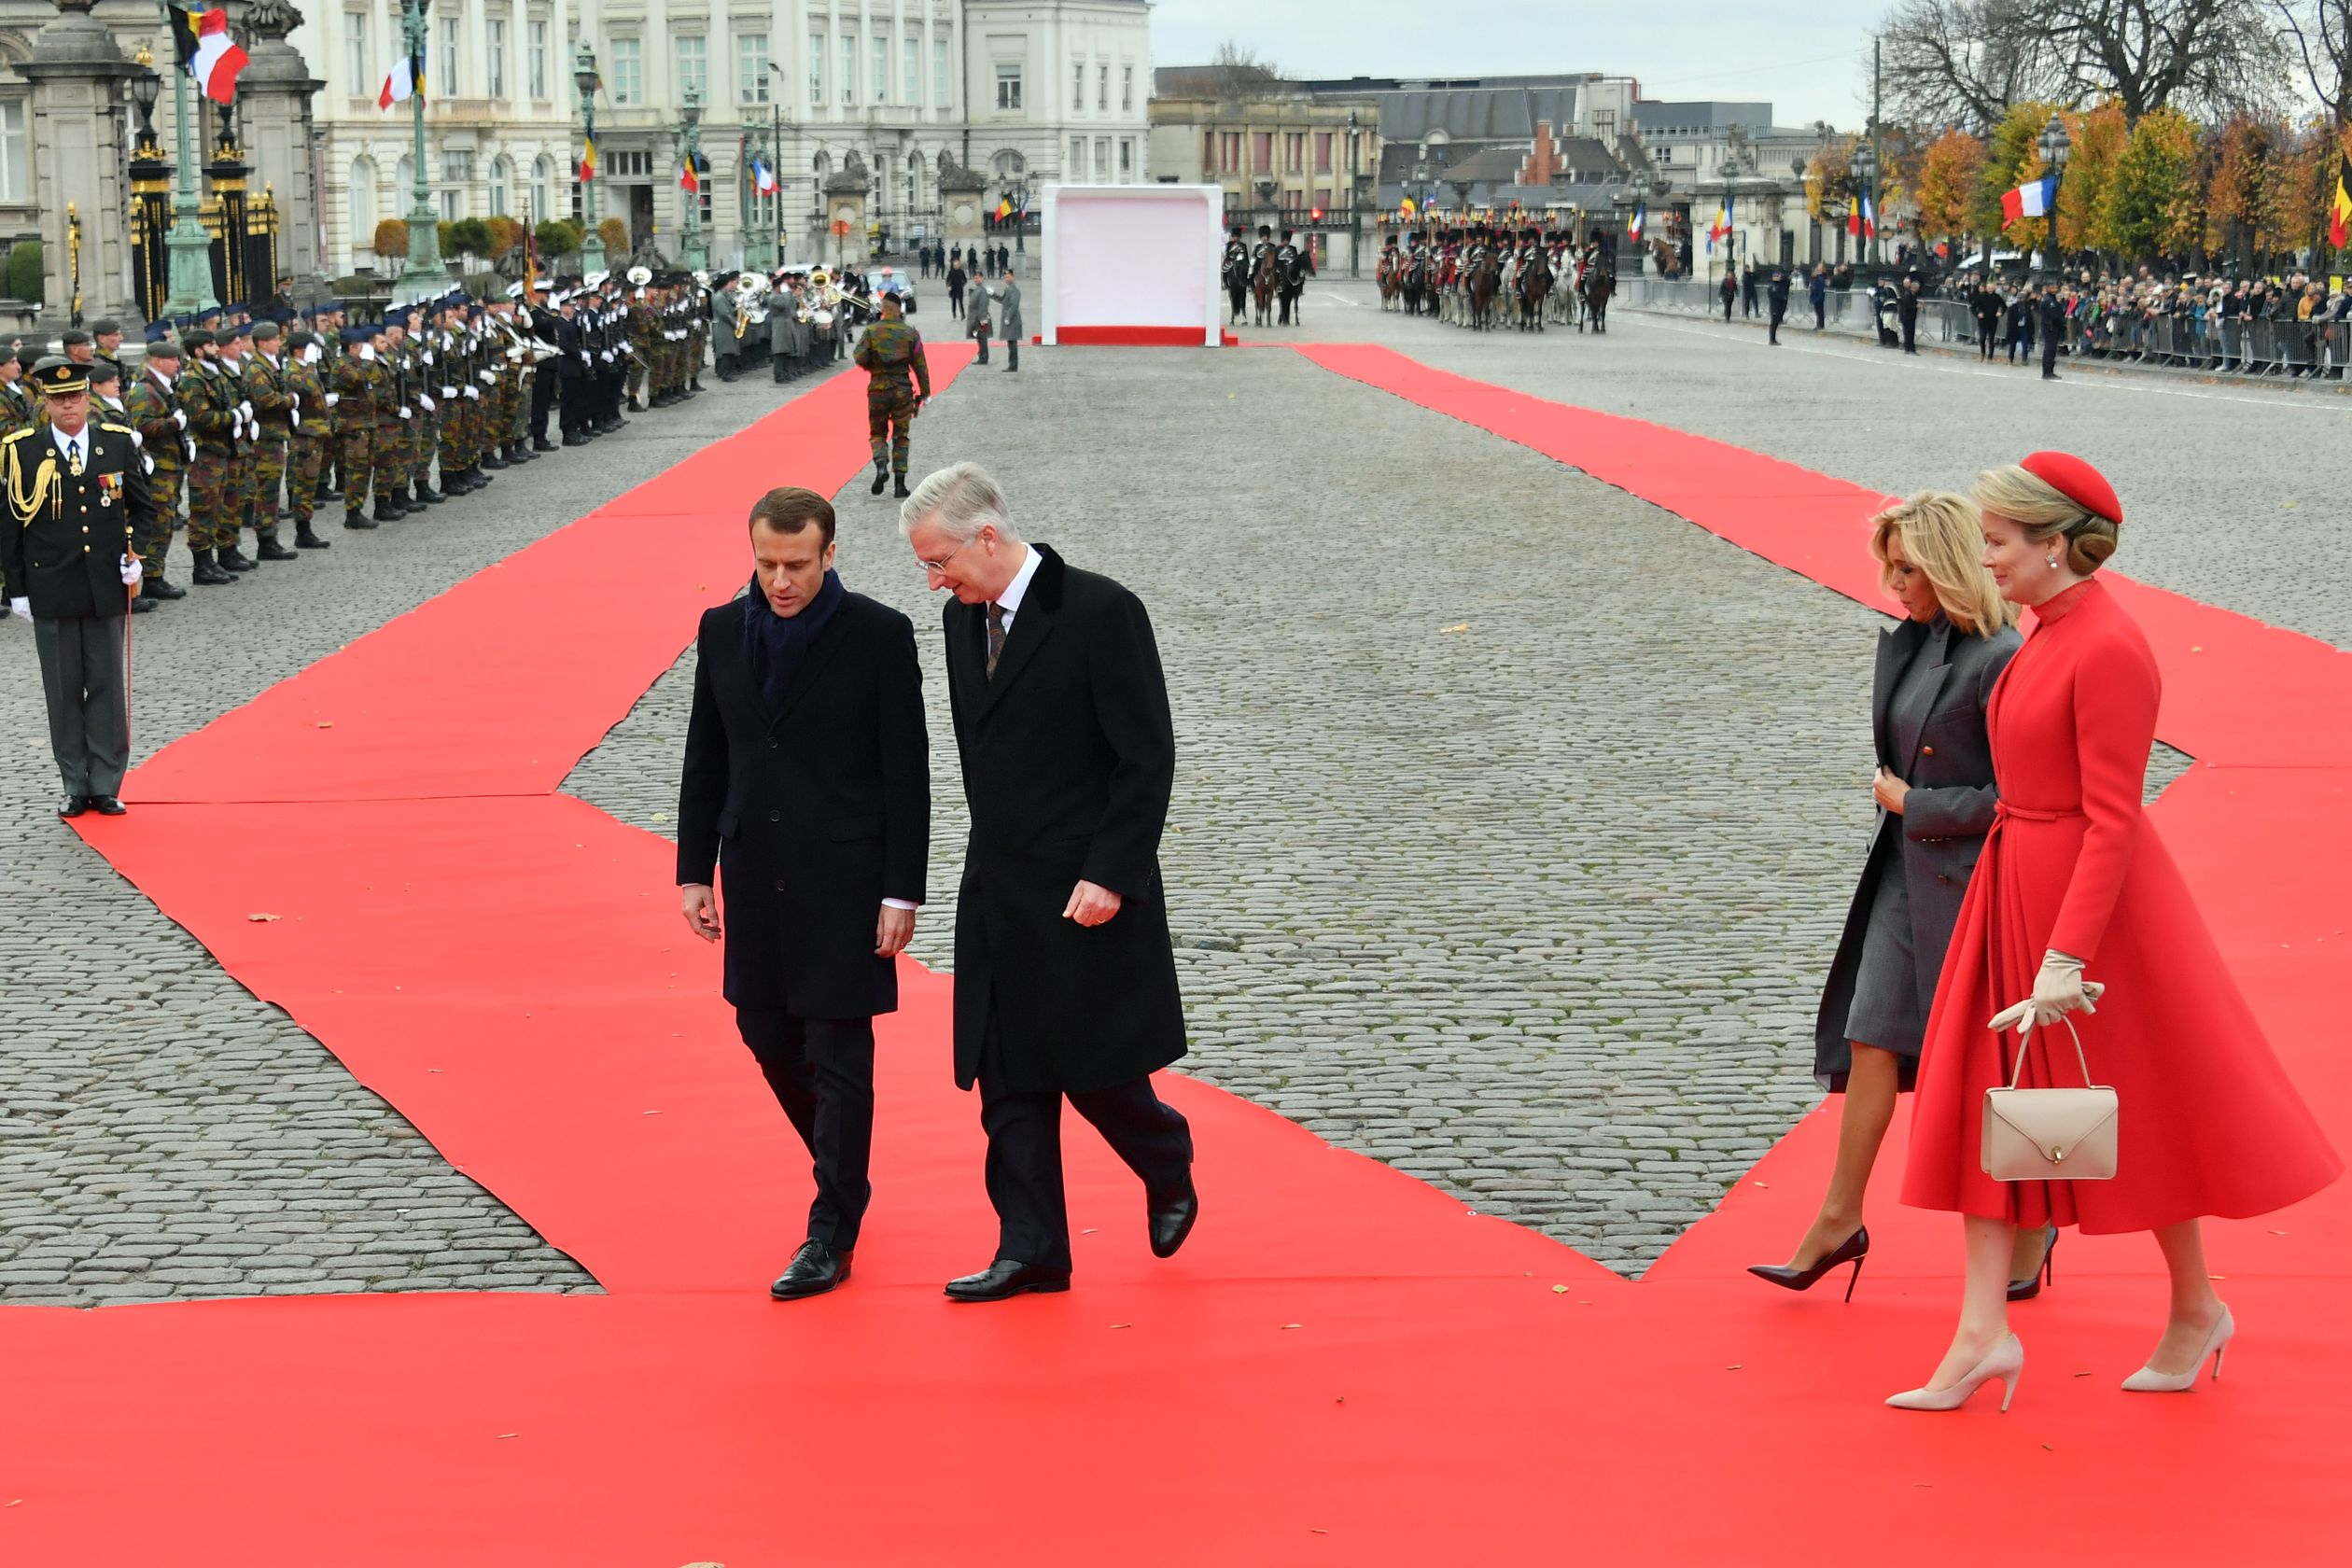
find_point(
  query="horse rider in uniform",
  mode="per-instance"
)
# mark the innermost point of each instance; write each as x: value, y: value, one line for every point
x: 891, y: 354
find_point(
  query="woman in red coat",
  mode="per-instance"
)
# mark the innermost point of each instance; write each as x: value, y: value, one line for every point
x: 2076, y: 903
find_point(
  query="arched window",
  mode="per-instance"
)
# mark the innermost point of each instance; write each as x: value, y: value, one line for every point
x: 542, y: 189
x: 1008, y: 165
x: 502, y: 186
x: 362, y: 195
x: 404, y: 178
x: 821, y: 165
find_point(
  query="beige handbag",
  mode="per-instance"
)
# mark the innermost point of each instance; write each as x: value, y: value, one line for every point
x: 2050, y: 1135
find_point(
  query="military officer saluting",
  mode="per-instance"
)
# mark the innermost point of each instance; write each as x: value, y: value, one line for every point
x: 78, y: 517
x: 891, y: 352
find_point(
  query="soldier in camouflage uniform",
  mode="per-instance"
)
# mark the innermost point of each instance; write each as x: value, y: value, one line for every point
x: 153, y: 409
x: 272, y: 423
x: 210, y: 402
x: 395, y: 417
x: 16, y: 400
x: 643, y: 335
x: 329, y: 324
x: 352, y: 415
x: 234, y: 346
x: 891, y: 354
x: 308, y: 450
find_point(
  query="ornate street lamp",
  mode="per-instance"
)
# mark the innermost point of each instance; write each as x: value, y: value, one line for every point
x: 689, y: 231
x: 2056, y: 146
x: 423, y: 277
x: 1865, y: 171
x: 150, y: 188
x: 584, y: 78
x: 189, y: 246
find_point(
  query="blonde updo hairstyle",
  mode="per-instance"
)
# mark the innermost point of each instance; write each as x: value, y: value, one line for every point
x: 1942, y: 536
x: 2048, y: 515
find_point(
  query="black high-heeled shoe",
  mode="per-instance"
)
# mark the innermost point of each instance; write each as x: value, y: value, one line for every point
x: 2031, y: 1286
x: 1853, y: 1250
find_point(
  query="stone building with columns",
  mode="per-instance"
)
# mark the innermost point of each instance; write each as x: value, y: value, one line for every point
x: 832, y: 93
x: 69, y: 75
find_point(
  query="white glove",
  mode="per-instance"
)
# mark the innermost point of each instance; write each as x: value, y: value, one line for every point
x: 488, y: 380
x: 448, y: 392
x: 583, y: 356
x: 138, y: 441
x: 246, y: 410
x: 296, y: 415
x: 190, y: 442
x: 132, y: 571
x: 404, y: 413
x: 427, y: 401
x: 474, y: 393
x: 2058, y: 990
x: 179, y: 417
x: 333, y: 397
x: 146, y: 464
x: 514, y: 356
x: 294, y: 398
x: 428, y: 356
x: 21, y: 606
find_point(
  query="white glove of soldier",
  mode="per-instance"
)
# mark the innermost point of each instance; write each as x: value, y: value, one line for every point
x: 138, y: 441
x: 179, y: 417
x: 130, y: 571
x: 404, y: 413
x: 428, y: 356
x: 427, y: 401
x: 190, y: 442
x: 296, y: 415
x: 2058, y: 990
x: 246, y: 410
x: 333, y: 397
x: 20, y: 606
x: 448, y: 392
x: 473, y: 394
x: 489, y: 379
x: 583, y: 356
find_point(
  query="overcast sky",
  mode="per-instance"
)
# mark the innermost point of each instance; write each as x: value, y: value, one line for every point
x: 1810, y: 63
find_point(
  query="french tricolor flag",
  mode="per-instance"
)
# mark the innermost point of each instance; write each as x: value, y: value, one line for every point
x: 406, y: 81
x: 762, y: 177
x: 2029, y: 201
x: 207, y: 52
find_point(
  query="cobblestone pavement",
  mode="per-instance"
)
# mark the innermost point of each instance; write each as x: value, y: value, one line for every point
x: 162, y: 1132
x: 1514, y: 817
x: 2234, y: 495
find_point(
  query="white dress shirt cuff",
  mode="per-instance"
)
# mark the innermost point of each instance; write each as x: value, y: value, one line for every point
x: 899, y: 903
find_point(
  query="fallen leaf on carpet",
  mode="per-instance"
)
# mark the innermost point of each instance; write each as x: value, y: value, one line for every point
x: 1560, y: 1289
x: 1462, y: 626
x: 1088, y: 1231
x: 325, y: 724
x: 1293, y: 1325
x: 661, y: 817
x: 1122, y: 1325
x: 258, y: 919
x: 652, y: 1112
x: 1734, y: 1367
x: 504, y: 1436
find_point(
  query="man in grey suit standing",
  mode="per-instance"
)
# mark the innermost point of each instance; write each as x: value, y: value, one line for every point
x: 1004, y: 302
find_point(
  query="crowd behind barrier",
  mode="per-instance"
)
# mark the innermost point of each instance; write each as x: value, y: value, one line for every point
x: 2293, y: 328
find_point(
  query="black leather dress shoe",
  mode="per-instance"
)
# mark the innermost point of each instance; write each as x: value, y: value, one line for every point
x: 1007, y: 1278
x: 108, y: 805
x: 142, y: 605
x: 1171, y: 1220
x: 815, y: 1269
x: 73, y: 806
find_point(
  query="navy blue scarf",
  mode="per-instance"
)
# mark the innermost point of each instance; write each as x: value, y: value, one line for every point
x: 776, y: 644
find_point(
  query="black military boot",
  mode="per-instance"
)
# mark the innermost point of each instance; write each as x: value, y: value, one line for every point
x: 231, y: 559
x: 386, y: 509
x: 208, y: 570
x: 153, y: 586
x: 540, y: 443
x: 306, y: 538
x: 270, y: 549
x: 881, y: 475
x: 426, y: 494
x: 494, y: 458
x: 898, y: 486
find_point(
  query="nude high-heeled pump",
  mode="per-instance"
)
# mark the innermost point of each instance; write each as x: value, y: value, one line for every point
x: 2149, y: 1381
x: 2005, y: 1361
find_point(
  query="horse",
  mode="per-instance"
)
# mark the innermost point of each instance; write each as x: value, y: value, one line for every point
x: 1262, y: 287
x: 1599, y: 282
x: 1236, y: 283
x: 1390, y: 274
x: 1534, y: 285
x: 1479, y: 289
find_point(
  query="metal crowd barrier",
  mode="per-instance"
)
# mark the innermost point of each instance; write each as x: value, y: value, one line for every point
x: 2255, y: 347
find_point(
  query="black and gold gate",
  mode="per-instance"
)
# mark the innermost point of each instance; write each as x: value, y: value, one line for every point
x: 242, y: 229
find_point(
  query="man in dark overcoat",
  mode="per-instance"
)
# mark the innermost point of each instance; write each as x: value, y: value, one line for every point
x: 1065, y: 978
x: 806, y: 782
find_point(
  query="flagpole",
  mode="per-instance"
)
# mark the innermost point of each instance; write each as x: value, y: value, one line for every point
x: 423, y: 277
x: 187, y: 245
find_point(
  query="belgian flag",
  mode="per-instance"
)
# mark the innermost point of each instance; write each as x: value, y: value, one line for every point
x: 2340, y: 213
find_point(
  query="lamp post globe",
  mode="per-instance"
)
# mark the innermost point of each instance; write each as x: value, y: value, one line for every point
x: 584, y: 78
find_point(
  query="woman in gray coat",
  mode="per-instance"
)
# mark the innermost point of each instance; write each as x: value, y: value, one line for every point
x: 1935, y: 796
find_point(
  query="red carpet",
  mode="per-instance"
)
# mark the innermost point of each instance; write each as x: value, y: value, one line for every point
x: 1342, y: 1367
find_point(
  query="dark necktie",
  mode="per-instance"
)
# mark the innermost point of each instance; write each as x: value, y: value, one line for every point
x: 996, y: 636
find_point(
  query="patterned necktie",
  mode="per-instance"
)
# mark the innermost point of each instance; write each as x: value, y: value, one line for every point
x: 996, y: 636
x: 74, y: 459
